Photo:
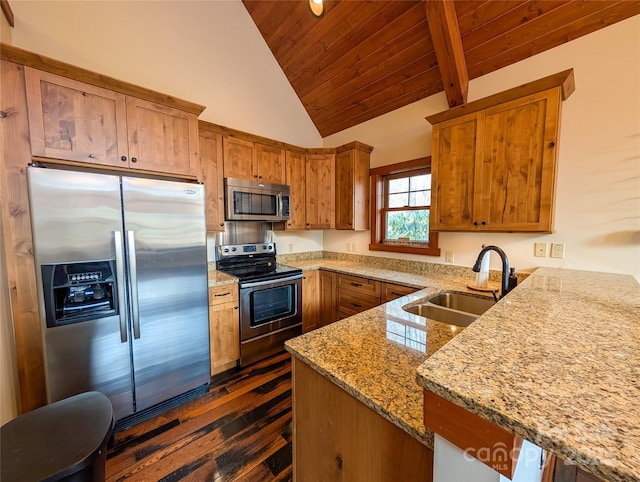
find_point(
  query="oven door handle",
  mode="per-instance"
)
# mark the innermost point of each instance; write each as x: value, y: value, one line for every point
x: 280, y: 206
x: 255, y: 284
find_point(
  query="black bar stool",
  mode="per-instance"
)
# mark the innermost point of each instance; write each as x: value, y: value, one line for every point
x: 66, y: 440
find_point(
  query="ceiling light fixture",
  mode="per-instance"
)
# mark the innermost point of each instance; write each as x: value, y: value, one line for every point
x: 317, y: 8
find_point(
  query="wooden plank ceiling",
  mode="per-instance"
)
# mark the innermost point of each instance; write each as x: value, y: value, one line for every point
x: 365, y: 58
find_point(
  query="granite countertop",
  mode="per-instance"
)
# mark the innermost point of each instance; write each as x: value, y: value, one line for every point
x: 556, y: 362
x: 374, y: 355
x: 218, y: 278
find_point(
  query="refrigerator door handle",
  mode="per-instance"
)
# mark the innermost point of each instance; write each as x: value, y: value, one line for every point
x: 122, y: 305
x: 133, y: 283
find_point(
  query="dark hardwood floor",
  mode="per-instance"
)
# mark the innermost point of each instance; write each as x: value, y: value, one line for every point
x: 240, y: 430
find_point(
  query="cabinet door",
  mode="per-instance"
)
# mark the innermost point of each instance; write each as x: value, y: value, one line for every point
x: 310, y: 300
x: 327, y: 280
x: 74, y: 121
x: 162, y: 139
x: 211, y: 177
x: 516, y: 177
x: 238, y: 158
x: 295, y: 179
x: 352, y: 190
x: 455, y: 154
x: 224, y: 336
x: 270, y: 164
x: 320, y: 191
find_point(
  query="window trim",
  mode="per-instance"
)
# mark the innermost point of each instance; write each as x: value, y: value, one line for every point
x: 378, y: 204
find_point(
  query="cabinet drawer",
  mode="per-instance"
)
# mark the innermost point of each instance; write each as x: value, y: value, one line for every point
x: 350, y: 302
x: 391, y: 291
x: 359, y: 285
x: 222, y: 294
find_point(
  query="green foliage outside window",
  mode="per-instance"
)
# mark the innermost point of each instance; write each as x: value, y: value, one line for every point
x: 408, y: 224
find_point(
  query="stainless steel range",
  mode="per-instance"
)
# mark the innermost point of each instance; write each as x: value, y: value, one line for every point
x: 270, y: 298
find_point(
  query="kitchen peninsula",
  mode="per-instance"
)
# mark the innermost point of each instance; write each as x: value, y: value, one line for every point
x: 556, y: 362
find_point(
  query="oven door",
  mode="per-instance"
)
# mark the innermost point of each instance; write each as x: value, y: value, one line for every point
x: 271, y: 305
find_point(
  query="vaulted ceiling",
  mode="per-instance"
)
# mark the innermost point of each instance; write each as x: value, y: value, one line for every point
x: 365, y: 58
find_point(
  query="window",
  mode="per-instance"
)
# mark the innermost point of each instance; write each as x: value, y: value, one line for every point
x: 401, y: 197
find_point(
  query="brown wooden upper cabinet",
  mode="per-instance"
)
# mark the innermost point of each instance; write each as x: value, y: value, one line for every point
x: 211, y: 175
x: 494, y: 168
x: 296, y: 169
x: 73, y: 121
x: 352, y: 186
x: 254, y: 161
x: 320, y: 191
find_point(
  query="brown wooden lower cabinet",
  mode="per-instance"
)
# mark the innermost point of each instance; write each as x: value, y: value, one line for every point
x: 327, y: 307
x: 224, y: 327
x: 336, y: 437
x: 310, y: 300
x: 570, y: 473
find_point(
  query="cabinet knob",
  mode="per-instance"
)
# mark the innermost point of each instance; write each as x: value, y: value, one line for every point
x: 255, y: 176
x: 235, y: 307
x: 551, y: 144
x: 221, y: 224
x: 484, y: 222
x: 475, y: 223
x: 123, y: 158
x: 259, y: 177
x: 134, y: 159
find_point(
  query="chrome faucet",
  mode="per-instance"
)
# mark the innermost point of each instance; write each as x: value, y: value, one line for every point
x: 505, y: 267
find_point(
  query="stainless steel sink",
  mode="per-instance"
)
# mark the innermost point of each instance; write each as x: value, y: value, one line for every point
x: 452, y: 307
x: 466, y: 302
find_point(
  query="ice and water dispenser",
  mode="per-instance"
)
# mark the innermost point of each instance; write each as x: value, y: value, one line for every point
x: 76, y: 292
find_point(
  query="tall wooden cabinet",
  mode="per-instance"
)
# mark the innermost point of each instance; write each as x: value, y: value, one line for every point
x: 73, y: 121
x: 296, y: 170
x: 352, y: 186
x: 494, y: 161
x: 244, y: 159
x: 211, y: 175
x: 320, y: 191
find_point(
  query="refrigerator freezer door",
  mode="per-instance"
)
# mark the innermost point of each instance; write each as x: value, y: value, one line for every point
x: 74, y: 218
x: 165, y: 224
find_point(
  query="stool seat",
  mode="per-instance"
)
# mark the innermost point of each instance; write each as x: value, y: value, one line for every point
x: 65, y: 440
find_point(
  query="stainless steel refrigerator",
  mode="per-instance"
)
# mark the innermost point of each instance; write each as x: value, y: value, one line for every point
x: 122, y: 273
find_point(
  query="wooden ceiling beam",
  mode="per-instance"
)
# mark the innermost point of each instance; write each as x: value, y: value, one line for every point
x: 447, y: 43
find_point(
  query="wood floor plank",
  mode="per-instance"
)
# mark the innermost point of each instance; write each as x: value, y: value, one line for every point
x: 241, y: 430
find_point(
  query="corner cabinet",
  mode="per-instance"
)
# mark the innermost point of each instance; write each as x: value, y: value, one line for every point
x: 211, y: 175
x: 494, y: 168
x: 73, y: 121
x: 296, y: 170
x: 352, y: 186
x: 320, y: 191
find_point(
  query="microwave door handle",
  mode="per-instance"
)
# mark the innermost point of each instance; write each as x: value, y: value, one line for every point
x: 133, y: 283
x: 280, y: 205
x: 122, y: 306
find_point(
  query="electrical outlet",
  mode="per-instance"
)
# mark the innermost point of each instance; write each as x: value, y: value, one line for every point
x: 354, y: 247
x: 540, y: 250
x: 348, y: 247
x: 291, y: 247
x: 557, y: 250
x: 448, y: 256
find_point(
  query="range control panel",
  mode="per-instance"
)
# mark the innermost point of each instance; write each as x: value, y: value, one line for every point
x: 232, y: 250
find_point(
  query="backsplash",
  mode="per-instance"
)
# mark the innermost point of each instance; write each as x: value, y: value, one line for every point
x: 395, y: 264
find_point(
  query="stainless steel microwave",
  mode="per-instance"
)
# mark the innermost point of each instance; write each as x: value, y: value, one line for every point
x: 255, y: 201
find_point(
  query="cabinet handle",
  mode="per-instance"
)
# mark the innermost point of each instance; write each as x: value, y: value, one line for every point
x: 235, y: 307
x: 134, y: 159
x: 91, y: 156
x: 223, y: 294
x: 551, y: 144
x: 356, y: 305
x: 396, y: 293
x: 484, y: 222
x: 123, y: 158
x: 255, y: 176
x: 259, y: 177
x: 221, y: 224
x: 356, y: 284
x: 475, y: 223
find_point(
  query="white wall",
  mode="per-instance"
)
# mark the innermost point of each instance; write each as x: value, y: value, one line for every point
x: 208, y: 52
x: 598, y: 190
